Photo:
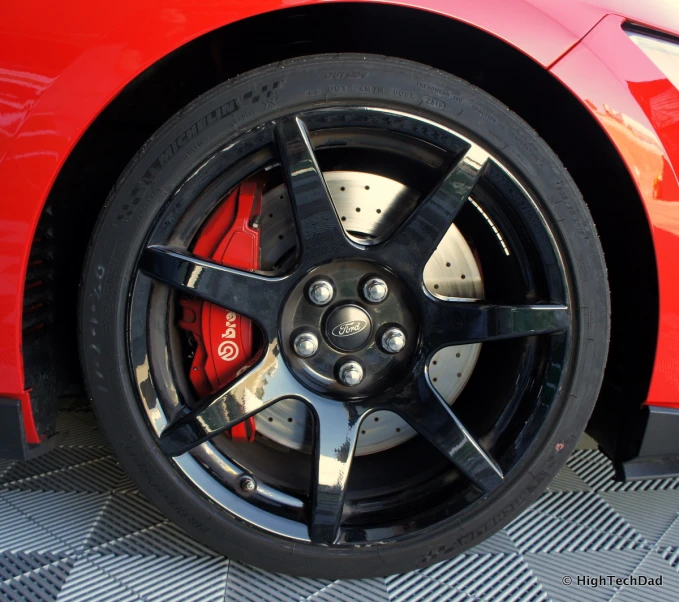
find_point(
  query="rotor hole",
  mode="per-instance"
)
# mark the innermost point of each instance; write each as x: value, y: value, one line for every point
x: 434, y: 362
x: 344, y: 218
x: 447, y: 264
x: 457, y: 355
x: 270, y: 214
x: 436, y: 286
x: 463, y: 276
x: 459, y: 374
x: 379, y: 211
x: 270, y: 419
x: 376, y: 419
x: 398, y: 430
x: 362, y: 432
x: 343, y: 189
x: 289, y: 419
x: 367, y: 187
x: 280, y: 237
x: 358, y: 209
x: 434, y: 379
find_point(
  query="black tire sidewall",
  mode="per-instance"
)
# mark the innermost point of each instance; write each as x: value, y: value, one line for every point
x: 191, y: 137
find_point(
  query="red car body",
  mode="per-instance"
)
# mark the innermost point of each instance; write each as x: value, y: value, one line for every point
x: 62, y: 64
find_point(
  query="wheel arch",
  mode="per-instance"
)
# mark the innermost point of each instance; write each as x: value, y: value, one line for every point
x: 498, y: 67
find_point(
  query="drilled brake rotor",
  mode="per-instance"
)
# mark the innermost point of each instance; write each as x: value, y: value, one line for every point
x: 370, y: 206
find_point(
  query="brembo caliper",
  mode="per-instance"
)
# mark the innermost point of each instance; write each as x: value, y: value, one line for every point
x: 224, y: 339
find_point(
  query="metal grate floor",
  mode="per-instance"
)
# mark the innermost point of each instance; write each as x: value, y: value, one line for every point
x: 74, y: 527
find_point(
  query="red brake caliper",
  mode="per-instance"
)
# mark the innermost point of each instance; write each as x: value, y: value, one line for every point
x: 224, y: 346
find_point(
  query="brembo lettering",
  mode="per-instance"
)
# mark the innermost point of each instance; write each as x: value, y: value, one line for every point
x: 228, y: 350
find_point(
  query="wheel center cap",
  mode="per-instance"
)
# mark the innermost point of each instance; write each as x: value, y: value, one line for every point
x: 348, y: 327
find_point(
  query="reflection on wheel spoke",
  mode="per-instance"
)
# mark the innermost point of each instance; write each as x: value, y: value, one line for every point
x: 268, y: 382
x: 337, y: 426
x: 428, y: 413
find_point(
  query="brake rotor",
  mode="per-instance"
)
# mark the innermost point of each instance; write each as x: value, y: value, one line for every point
x: 370, y: 206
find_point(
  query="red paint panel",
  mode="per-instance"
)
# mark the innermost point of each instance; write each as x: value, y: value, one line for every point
x: 62, y: 63
x: 579, y: 15
x: 639, y: 109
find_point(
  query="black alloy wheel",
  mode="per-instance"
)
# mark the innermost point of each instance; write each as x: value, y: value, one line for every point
x: 430, y: 314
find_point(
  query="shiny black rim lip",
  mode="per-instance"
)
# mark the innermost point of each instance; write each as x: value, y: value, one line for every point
x: 236, y: 505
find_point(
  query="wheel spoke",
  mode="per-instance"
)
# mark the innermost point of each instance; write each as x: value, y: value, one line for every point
x: 251, y: 295
x: 459, y: 322
x: 411, y: 246
x: 337, y: 427
x: 267, y: 383
x: 320, y: 230
x: 424, y: 409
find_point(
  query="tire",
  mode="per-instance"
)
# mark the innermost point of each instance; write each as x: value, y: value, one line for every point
x: 148, y: 189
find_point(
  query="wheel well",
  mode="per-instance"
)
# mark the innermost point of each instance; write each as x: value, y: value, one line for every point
x: 147, y: 102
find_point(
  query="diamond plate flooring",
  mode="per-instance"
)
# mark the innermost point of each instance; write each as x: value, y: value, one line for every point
x: 73, y: 527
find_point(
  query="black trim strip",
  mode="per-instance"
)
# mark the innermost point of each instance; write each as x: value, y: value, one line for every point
x: 13, y: 444
x: 643, y: 30
x: 658, y: 454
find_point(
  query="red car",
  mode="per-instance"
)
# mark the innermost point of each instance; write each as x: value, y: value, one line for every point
x: 345, y: 282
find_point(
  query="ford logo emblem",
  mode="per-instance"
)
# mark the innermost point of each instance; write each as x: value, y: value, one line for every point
x: 346, y: 329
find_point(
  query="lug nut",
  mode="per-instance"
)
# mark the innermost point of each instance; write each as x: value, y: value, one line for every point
x: 305, y: 344
x: 321, y: 292
x: 351, y: 374
x: 248, y: 484
x: 375, y: 290
x: 393, y: 340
